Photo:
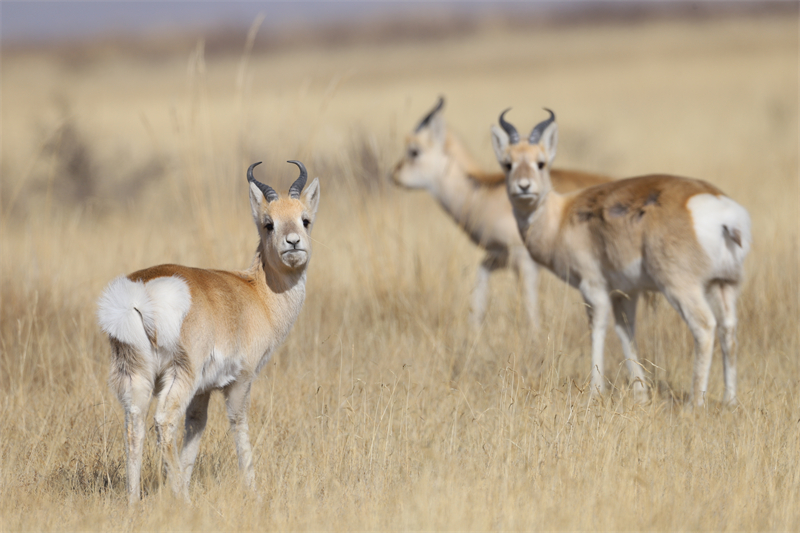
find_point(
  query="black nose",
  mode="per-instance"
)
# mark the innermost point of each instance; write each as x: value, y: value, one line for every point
x: 524, y: 186
x: 293, y: 239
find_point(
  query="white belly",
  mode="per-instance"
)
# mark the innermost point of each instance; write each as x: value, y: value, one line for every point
x: 218, y: 371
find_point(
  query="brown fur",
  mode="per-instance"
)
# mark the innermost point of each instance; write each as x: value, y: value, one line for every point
x: 639, y: 215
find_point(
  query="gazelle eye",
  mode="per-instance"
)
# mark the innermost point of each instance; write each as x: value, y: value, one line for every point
x: 540, y: 164
x: 507, y: 166
x: 413, y: 153
x: 306, y: 222
x: 270, y: 226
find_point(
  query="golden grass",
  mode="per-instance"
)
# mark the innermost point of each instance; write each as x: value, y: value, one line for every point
x: 383, y: 410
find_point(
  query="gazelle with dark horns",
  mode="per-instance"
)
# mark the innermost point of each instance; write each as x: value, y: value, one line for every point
x: 437, y: 161
x: 680, y: 236
x: 179, y: 333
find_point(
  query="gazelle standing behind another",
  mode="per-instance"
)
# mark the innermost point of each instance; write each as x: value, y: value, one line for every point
x: 179, y: 333
x: 436, y: 160
x: 682, y: 237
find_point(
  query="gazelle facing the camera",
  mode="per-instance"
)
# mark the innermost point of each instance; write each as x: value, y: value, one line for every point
x: 436, y: 160
x: 179, y: 333
x: 682, y: 237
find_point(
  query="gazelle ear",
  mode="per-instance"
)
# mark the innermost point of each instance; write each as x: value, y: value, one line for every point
x: 256, y: 202
x: 549, y: 141
x: 499, y: 143
x: 310, y: 197
x: 438, y: 128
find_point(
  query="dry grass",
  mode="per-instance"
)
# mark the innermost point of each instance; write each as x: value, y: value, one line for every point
x: 382, y: 410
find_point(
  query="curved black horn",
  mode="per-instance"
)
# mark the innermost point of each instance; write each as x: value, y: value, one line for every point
x: 425, y: 121
x: 536, y: 133
x: 269, y: 192
x: 300, y: 182
x: 511, y: 131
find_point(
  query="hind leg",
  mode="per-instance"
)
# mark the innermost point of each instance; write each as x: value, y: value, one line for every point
x: 173, y: 399
x: 196, y: 418
x: 130, y: 380
x: 722, y: 298
x: 625, y: 327
x: 695, y: 310
x: 135, y: 400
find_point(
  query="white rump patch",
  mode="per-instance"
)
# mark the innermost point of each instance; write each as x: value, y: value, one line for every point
x: 171, y: 301
x: 718, y: 223
x: 132, y: 311
x: 125, y: 311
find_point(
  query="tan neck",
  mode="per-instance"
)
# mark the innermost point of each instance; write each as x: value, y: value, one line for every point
x: 461, y: 157
x: 541, y: 226
x: 275, y: 283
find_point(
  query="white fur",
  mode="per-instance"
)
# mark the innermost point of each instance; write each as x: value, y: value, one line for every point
x: 709, y: 214
x: 125, y: 312
x: 132, y: 311
x: 171, y: 300
x: 219, y: 371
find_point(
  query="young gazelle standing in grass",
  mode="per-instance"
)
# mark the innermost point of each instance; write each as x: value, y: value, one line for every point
x: 179, y: 333
x: 682, y: 237
x: 436, y: 160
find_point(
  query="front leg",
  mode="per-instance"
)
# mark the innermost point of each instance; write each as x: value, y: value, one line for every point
x: 237, y: 400
x: 598, y: 308
x: 528, y: 274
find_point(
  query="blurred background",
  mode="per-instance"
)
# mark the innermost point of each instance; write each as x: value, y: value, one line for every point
x: 334, y: 77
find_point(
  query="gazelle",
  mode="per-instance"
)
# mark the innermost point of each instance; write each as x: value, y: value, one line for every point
x: 680, y: 236
x: 179, y: 333
x: 436, y: 160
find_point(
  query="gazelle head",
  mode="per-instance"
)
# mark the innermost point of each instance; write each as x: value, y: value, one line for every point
x: 526, y: 162
x: 284, y: 223
x: 425, y: 159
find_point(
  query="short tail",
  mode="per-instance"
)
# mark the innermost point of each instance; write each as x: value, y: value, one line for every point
x: 125, y: 312
x: 144, y: 314
x: 734, y: 235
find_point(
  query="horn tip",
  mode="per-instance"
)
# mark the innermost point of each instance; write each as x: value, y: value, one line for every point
x: 250, y: 171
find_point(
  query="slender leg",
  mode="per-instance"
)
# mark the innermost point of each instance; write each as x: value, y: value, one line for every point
x: 196, y: 418
x: 173, y: 399
x: 237, y: 398
x: 135, y: 401
x: 625, y: 326
x: 598, y: 307
x: 696, y: 311
x: 480, y: 294
x: 722, y: 298
x: 131, y: 378
x: 528, y: 274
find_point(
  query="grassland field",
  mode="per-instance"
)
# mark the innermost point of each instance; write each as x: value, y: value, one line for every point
x: 384, y: 410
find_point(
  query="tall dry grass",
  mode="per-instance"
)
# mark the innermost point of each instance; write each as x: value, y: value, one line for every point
x: 383, y: 410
